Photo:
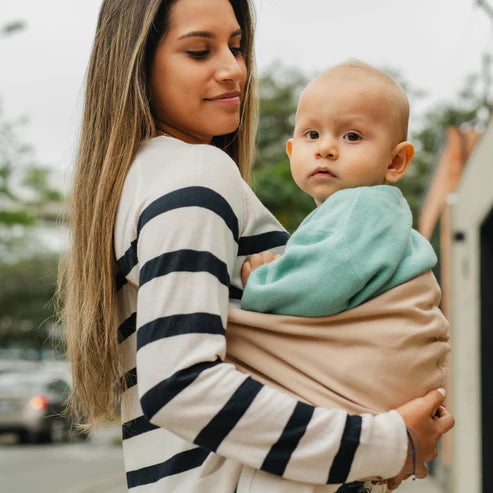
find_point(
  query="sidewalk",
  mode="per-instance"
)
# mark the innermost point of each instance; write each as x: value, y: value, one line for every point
x: 116, y: 483
x: 426, y: 485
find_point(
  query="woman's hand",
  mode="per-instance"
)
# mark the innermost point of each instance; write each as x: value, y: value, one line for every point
x: 429, y: 419
x: 253, y: 262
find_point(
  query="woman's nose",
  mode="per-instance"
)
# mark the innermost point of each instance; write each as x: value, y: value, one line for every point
x: 327, y: 149
x: 230, y: 67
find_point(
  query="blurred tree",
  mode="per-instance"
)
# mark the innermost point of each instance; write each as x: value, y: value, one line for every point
x: 469, y: 109
x: 280, y: 88
x: 26, y: 301
x: 27, y: 285
x: 25, y: 191
x: 12, y: 27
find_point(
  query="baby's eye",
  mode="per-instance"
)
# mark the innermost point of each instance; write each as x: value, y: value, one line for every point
x: 312, y: 135
x: 352, y: 137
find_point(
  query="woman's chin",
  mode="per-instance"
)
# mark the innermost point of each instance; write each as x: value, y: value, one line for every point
x: 224, y: 126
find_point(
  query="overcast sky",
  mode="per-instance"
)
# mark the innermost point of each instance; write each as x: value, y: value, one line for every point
x: 434, y: 44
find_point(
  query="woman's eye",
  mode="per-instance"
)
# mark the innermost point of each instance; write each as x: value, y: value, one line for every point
x: 352, y: 137
x: 237, y: 51
x: 312, y: 135
x: 198, y: 55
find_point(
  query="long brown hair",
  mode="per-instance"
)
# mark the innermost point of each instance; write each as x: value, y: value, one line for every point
x: 117, y: 118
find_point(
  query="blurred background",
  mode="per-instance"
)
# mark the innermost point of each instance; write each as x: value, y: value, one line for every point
x: 440, y: 51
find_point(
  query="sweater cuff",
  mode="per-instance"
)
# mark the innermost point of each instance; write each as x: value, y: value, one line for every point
x: 383, y: 447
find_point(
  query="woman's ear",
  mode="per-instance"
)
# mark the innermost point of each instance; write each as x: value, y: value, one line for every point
x: 289, y: 147
x: 403, y: 154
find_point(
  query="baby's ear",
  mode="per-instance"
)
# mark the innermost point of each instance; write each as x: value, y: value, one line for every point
x: 289, y: 147
x: 403, y: 154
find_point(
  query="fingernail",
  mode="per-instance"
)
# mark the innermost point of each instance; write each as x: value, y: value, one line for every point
x: 442, y: 391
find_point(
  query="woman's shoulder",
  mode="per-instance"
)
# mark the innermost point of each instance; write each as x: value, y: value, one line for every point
x: 172, y: 158
x: 165, y: 166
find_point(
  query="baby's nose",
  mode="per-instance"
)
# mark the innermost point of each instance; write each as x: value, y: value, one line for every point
x: 327, y: 149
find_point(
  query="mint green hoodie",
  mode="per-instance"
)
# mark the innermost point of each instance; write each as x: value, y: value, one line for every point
x: 358, y: 244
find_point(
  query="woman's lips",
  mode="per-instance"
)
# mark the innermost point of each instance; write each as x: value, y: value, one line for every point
x: 232, y: 98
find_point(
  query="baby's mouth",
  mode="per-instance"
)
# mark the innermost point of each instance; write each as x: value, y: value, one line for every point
x: 324, y: 172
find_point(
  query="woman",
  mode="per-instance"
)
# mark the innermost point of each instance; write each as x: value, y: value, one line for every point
x: 162, y: 220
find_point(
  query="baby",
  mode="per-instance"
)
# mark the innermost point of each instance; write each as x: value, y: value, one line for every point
x: 349, y: 142
x: 348, y: 316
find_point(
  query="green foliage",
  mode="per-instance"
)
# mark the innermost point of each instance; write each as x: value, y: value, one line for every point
x: 280, y: 89
x: 26, y: 301
x: 468, y: 109
x: 278, y: 192
x: 36, y: 179
x: 12, y: 218
x: 27, y: 286
x: 25, y: 191
x: 272, y: 181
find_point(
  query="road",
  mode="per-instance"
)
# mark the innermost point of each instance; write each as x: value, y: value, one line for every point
x: 93, y: 466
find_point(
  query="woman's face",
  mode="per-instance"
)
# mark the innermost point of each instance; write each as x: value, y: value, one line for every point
x: 198, y: 75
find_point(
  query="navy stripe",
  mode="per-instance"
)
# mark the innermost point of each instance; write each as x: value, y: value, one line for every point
x: 129, y: 379
x: 259, y: 243
x: 278, y: 457
x: 136, y: 427
x: 157, y: 397
x: 191, y: 197
x: 125, y: 264
x: 127, y: 328
x: 184, y: 261
x: 129, y: 260
x: 349, y: 444
x: 225, y: 420
x: 174, y: 325
x: 235, y: 293
x: 184, y: 461
x: 120, y: 280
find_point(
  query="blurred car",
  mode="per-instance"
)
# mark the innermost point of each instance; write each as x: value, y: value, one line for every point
x: 17, y: 365
x: 32, y: 406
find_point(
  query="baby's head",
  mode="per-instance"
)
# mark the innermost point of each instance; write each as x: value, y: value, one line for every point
x: 350, y: 131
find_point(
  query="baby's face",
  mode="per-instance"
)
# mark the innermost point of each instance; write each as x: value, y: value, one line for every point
x: 343, y: 137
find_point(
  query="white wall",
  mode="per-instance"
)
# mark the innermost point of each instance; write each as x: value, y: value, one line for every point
x: 470, y: 205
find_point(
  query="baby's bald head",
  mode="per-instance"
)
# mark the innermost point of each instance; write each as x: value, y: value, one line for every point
x: 368, y: 82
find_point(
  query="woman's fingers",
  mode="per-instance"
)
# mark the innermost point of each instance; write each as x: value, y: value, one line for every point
x: 254, y: 261
x: 421, y: 471
x: 393, y: 483
x: 444, y: 419
x: 427, y: 420
x: 258, y: 259
x: 268, y: 257
x: 246, y: 270
x: 439, y: 412
x: 434, y: 399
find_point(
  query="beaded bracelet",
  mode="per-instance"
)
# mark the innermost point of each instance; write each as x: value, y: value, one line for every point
x: 414, y: 448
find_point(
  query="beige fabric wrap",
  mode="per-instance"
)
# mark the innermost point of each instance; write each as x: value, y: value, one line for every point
x: 371, y: 358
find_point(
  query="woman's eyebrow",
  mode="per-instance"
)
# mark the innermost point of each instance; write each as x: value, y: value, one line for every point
x: 208, y: 35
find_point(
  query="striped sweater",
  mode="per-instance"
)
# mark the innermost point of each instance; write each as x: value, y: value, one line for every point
x: 186, y: 221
